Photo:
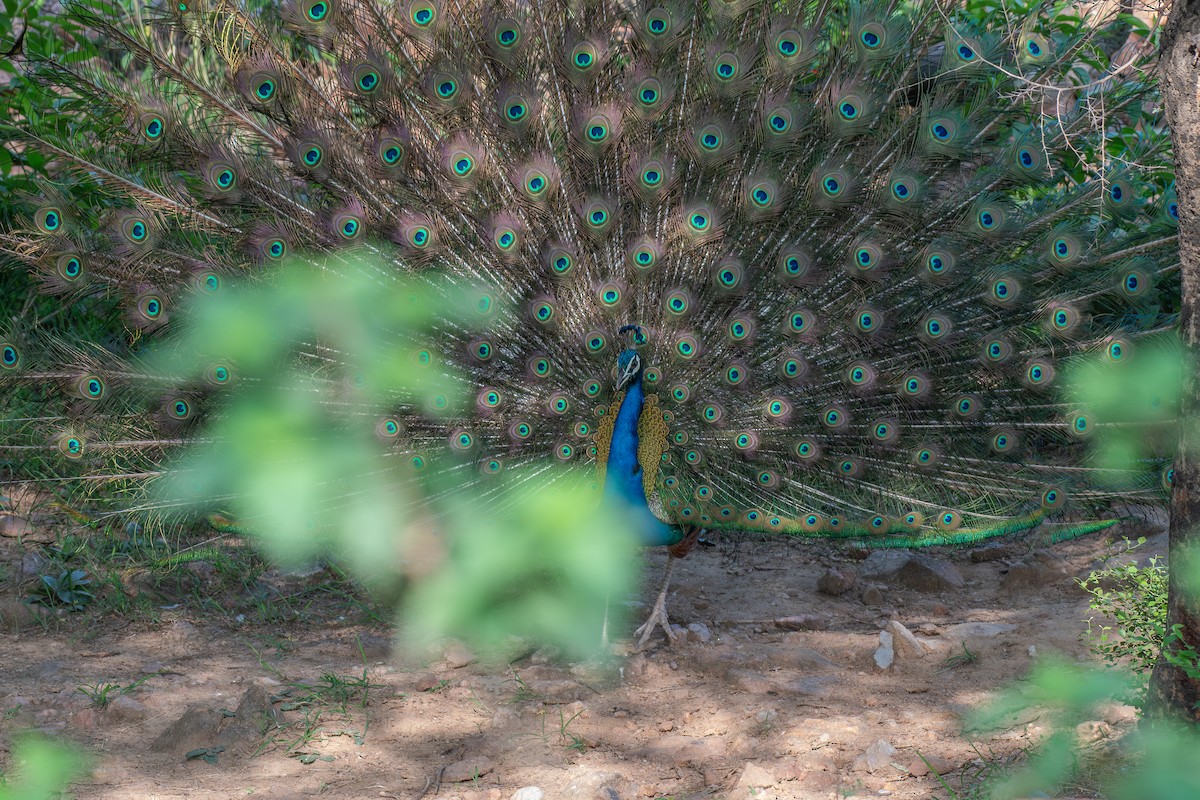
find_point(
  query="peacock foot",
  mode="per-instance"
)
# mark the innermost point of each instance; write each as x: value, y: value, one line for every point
x: 658, y: 615
x: 658, y: 618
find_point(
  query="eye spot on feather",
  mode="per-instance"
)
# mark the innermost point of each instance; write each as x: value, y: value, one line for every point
x: 10, y: 356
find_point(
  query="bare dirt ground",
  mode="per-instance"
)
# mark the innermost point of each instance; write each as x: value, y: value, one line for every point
x: 310, y: 701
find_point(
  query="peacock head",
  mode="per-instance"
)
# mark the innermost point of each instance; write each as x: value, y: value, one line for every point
x: 629, y: 366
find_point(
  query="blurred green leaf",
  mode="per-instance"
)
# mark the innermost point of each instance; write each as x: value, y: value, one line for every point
x: 42, y: 770
x: 322, y: 352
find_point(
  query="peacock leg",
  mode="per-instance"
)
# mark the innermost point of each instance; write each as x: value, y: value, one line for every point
x: 658, y: 616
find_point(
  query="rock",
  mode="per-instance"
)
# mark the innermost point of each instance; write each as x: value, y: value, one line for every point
x: 977, y: 630
x: 911, y: 570
x: 835, y: 582
x: 528, y: 793
x: 243, y: 731
x: 992, y: 552
x: 906, y: 645
x: 802, y: 622
x: 457, y: 655
x: 126, y: 709
x: 32, y: 564
x: 14, y: 526
x: 875, y: 757
x: 15, y: 615
x: 885, y: 655
x: 592, y: 786
x: 699, y: 632
x: 549, y: 654
x: 425, y: 681
x: 468, y: 769
x: 1033, y: 572
x: 755, y: 777
x: 872, y: 596
x: 918, y: 767
x: 197, y: 728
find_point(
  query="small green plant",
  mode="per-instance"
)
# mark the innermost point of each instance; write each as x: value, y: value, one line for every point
x: 69, y: 588
x: 1132, y: 602
x: 959, y: 659
x: 524, y: 692
x: 570, y: 740
x: 101, y: 694
x: 208, y: 754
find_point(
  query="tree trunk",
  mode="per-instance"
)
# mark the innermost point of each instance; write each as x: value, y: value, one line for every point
x: 1173, y: 695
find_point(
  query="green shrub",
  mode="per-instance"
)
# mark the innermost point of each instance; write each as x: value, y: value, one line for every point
x: 1132, y: 604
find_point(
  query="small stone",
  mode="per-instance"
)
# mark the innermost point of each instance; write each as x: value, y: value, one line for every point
x: 14, y: 526
x: 977, y: 630
x: 528, y: 793
x: 906, y: 645
x: 755, y: 777
x: 425, y: 681
x: 919, y: 768
x: 32, y: 564
x: 494, y: 794
x: 457, y: 655
x: 885, y: 655
x: 872, y: 596
x: 835, y: 582
x: 699, y: 632
x: 802, y: 622
x: 468, y: 769
x: 714, y: 777
x: 125, y: 708
x: 875, y: 757
x: 666, y: 726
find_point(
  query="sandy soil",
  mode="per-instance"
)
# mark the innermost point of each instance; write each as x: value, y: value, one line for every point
x: 757, y: 710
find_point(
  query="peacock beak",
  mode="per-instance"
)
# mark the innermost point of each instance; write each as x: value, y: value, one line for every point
x: 629, y: 373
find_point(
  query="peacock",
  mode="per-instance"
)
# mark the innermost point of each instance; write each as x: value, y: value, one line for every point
x: 809, y: 268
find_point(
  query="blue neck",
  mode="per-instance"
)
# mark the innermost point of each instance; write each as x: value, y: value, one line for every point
x: 623, y: 474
